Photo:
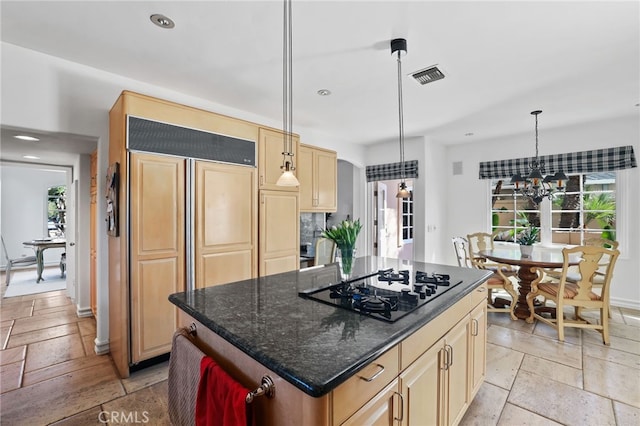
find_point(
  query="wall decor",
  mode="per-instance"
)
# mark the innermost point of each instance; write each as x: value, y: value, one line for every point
x: 113, y: 178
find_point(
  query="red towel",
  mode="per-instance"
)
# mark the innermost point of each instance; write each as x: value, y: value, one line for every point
x: 221, y: 400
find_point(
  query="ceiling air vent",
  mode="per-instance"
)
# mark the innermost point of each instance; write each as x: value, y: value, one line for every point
x: 428, y: 75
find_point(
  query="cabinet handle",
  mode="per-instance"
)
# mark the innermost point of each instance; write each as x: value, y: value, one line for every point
x: 401, y: 407
x: 449, y: 350
x: 261, y: 180
x: 262, y: 199
x: 370, y: 379
x: 445, y: 356
x: 474, y: 327
x: 481, y: 289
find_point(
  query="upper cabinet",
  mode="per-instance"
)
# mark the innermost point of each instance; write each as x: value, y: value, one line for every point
x: 270, y: 148
x: 317, y: 172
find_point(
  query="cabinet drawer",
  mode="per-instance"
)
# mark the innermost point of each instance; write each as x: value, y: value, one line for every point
x: 364, y: 385
x: 479, y: 294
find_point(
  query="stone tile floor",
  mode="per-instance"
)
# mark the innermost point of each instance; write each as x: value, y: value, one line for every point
x: 50, y: 375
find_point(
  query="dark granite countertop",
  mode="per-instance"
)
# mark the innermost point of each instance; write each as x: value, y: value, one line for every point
x: 314, y: 346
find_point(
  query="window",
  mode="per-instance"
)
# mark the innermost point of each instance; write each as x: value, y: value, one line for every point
x: 405, y: 216
x: 56, y: 210
x: 510, y: 213
x: 587, y: 209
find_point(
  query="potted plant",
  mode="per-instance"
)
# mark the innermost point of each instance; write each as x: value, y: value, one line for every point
x: 526, y: 239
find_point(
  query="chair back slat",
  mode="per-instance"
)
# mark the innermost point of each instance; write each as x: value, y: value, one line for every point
x: 462, y: 254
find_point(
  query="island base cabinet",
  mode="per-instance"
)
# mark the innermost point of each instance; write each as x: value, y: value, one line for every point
x: 423, y: 380
x: 434, y: 387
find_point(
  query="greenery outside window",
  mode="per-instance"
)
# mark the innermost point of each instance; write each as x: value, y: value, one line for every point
x: 405, y: 207
x: 587, y: 209
x: 56, y: 210
x: 510, y: 213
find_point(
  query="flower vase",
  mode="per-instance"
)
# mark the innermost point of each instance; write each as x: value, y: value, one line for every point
x: 345, y: 259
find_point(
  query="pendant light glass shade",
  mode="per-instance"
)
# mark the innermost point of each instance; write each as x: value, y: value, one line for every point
x: 287, y: 178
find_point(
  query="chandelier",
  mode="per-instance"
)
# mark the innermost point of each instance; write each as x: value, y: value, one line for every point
x: 536, y: 186
x: 400, y: 45
x: 287, y: 178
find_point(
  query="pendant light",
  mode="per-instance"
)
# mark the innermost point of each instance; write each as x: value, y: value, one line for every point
x: 399, y: 45
x: 287, y: 178
x: 536, y: 186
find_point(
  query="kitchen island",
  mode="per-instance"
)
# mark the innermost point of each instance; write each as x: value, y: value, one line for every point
x: 332, y: 366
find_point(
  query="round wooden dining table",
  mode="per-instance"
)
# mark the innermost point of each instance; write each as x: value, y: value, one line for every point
x: 540, y: 258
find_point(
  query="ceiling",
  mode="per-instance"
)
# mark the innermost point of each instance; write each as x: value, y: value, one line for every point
x: 578, y: 61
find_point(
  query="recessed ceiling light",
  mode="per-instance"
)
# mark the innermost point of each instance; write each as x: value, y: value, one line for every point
x: 30, y: 157
x: 26, y: 138
x: 162, y: 21
x: 324, y: 92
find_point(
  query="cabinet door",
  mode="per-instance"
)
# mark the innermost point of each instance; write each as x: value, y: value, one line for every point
x: 157, y: 251
x: 380, y: 410
x: 270, y: 147
x: 422, y: 386
x: 225, y: 223
x: 326, y: 176
x: 279, y: 232
x: 477, y: 349
x: 456, y: 343
x: 305, y: 177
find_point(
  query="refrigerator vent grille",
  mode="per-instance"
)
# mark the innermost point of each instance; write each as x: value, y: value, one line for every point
x: 162, y: 138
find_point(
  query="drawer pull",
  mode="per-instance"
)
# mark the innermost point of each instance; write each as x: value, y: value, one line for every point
x: 401, y: 407
x: 481, y: 289
x: 372, y: 378
x: 474, y: 327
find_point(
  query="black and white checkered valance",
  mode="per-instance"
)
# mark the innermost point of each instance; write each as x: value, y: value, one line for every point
x: 392, y: 171
x: 597, y: 160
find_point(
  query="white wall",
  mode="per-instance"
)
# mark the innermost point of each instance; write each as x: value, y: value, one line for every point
x: 467, y: 205
x: 24, y: 208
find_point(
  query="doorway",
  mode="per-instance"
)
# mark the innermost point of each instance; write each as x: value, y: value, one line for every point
x: 392, y: 220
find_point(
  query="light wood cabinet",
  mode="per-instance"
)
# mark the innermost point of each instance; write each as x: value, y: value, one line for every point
x: 225, y: 223
x: 318, y: 174
x: 381, y: 410
x: 270, y: 148
x: 478, y: 349
x: 279, y: 232
x: 157, y: 251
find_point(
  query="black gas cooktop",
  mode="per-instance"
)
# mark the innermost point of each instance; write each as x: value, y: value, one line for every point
x: 386, y: 295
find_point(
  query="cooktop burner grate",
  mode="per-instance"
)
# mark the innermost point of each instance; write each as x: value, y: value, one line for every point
x: 367, y: 294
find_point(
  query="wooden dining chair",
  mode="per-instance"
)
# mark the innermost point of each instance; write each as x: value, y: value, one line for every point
x: 462, y: 254
x: 484, y: 241
x: 325, y: 251
x: 579, y: 292
x: 497, y: 281
x: 573, y: 276
x: 19, y: 261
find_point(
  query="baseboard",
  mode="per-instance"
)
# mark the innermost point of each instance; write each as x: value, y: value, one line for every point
x: 101, y: 348
x: 625, y: 303
x: 84, y: 312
